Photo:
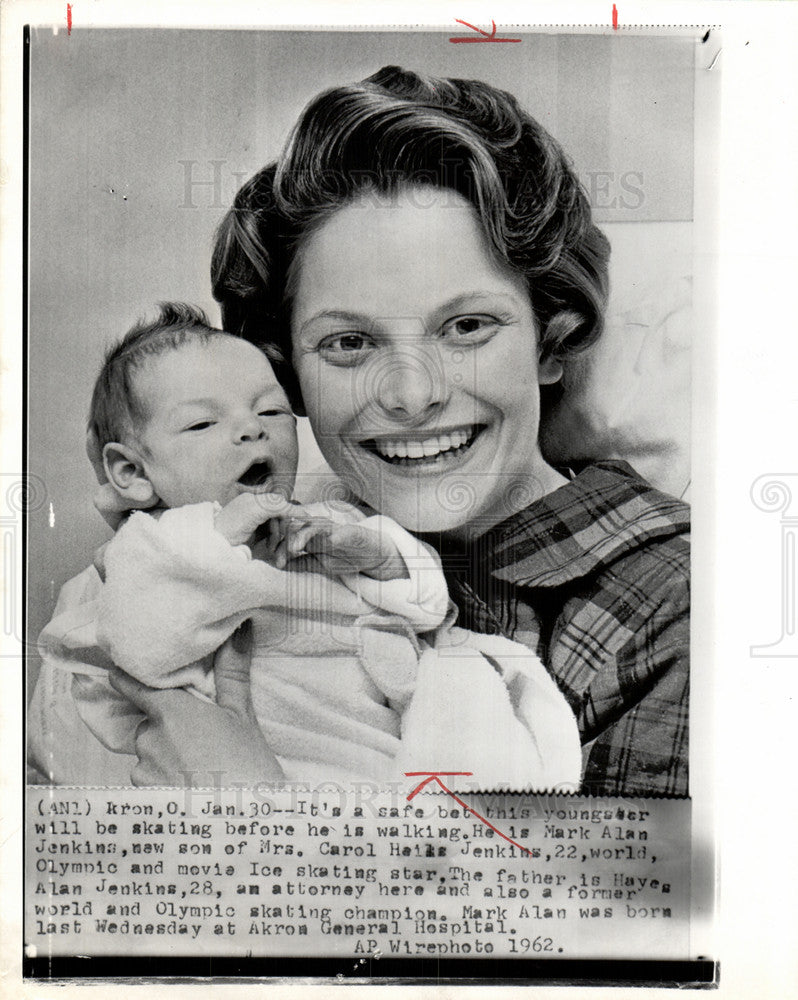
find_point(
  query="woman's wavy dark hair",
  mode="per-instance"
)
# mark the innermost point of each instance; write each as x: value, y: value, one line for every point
x: 398, y: 128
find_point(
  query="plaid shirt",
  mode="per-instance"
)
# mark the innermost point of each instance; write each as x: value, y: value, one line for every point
x: 595, y: 578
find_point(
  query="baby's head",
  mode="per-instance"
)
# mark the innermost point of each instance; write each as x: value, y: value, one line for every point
x: 187, y: 413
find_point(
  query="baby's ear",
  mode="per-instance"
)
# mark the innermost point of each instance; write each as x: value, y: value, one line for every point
x: 125, y: 471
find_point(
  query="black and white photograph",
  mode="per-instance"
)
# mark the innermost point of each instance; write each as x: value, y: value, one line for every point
x: 479, y: 372
x: 360, y: 462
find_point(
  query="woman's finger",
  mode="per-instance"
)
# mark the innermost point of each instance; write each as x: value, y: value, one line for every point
x: 138, y: 778
x: 141, y: 729
x: 231, y: 669
x: 154, y: 702
x: 144, y: 776
x: 126, y: 685
x: 151, y: 749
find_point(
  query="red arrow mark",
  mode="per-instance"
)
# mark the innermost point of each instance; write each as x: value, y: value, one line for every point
x: 486, y: 36
x: 436, y: 777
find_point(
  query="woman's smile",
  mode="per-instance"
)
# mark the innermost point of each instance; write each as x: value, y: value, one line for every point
x: 426, y: 448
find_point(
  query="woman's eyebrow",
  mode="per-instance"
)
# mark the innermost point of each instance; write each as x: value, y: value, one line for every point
x: 478, y: 300
x: 463, y: 300
x: 342, y: 314
x: 475, y: 298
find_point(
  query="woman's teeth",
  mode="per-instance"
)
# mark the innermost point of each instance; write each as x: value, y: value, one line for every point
x: 429, y: 447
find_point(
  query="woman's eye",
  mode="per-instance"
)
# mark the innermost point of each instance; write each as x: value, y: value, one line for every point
x: 200, y: 425
x: 345, y: 348
x: 271, y: 413
x: 469, y: 328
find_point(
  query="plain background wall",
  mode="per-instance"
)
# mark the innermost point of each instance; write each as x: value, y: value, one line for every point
x: 125, y: 126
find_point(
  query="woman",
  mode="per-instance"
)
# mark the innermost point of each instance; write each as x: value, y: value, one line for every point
x: 424, y: 261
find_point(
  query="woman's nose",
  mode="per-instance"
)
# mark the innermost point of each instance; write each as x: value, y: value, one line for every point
x: 409, y: 384
x: 249, y: 428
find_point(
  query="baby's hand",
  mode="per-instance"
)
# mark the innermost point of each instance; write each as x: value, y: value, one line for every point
x: 339, y: 548
x: 242, y: 516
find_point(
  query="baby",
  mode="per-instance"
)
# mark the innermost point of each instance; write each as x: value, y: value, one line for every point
x: 357, y: 672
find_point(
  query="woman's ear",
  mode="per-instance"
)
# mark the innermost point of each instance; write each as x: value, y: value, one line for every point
x: 550, y: 370
x: 126, y: 473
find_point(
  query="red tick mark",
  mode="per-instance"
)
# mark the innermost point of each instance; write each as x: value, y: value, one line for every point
x: 486, y: 36
x: 69, y: 18
x: 436, y: 777
x: 614, y: 17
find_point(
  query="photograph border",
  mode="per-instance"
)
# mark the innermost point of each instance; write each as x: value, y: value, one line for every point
x: 737, y: 30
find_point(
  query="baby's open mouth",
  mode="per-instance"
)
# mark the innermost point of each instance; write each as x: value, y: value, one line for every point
x: 425, y: 449
x: 256, y: 475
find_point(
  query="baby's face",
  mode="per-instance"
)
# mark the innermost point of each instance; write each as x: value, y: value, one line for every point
x: 218, y: 424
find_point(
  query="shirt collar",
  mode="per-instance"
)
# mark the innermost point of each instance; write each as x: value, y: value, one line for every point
x: 602, y: 513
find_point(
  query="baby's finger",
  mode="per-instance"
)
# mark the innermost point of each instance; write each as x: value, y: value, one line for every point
x: 272, y: 505
x: 281, y: 554
x: 244, y: 514
x: 299, y: 538
x: 302, y: 512
x: 275, y: 533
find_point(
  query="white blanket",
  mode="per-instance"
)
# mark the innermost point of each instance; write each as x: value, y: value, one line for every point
x: 352, y: 678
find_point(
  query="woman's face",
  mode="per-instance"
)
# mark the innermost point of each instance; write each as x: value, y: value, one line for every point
x: 417, y: 356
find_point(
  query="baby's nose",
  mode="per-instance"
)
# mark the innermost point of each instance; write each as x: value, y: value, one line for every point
x: 250, y: 429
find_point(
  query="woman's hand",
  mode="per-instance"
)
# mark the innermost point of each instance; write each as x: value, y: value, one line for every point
x: 339, y: 548
x: 188, y: 742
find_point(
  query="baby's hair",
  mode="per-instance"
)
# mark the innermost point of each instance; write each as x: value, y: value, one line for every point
x: 117, y: 409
